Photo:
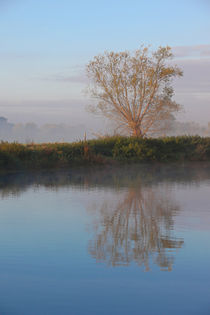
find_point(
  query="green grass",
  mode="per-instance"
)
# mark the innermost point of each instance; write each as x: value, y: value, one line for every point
x: 16, y: 156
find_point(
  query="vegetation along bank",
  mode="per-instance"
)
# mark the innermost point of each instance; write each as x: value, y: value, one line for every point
x: 15, y: 156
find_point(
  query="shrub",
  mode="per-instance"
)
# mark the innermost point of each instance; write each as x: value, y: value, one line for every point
x: 100, y: 151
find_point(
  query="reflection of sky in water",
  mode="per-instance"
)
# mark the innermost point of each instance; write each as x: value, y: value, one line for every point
x: 47, y: 234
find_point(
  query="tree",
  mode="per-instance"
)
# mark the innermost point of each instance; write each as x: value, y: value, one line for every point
x: 134, y: 89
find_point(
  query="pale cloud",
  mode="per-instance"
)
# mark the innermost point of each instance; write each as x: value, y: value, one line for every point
x: 196, y: 78
x: 191, y: 51
x: 75, y: 78
x: 193, y: 89
x: 73, y: 74
x: 72, y: 110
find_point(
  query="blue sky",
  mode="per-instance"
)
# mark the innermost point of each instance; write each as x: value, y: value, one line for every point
x: 46, y: 44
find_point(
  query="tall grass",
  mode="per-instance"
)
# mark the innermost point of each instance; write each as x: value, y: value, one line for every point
x: 16, y: 156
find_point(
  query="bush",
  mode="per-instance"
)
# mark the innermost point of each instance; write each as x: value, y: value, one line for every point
x: 52, y: 155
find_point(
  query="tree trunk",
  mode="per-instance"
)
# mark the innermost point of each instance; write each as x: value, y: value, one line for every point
x: 137, y: 132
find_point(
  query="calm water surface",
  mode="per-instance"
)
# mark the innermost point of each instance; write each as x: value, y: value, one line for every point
x: 126, y: 240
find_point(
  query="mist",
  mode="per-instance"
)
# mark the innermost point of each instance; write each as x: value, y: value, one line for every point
x: 31, y: 132
x: 49, y: 132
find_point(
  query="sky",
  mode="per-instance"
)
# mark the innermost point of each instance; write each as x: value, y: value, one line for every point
x: 45, y: 45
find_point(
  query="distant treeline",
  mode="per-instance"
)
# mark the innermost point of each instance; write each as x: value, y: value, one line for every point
x: 30, y: 132
x: 14, y: 156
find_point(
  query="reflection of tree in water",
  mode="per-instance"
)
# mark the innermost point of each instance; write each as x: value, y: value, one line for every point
x: 138, y: 228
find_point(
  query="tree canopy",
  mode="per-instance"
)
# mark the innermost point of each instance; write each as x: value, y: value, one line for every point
x: 135, y: 89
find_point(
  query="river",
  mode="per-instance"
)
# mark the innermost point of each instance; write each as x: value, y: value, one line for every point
x: 121, y: 240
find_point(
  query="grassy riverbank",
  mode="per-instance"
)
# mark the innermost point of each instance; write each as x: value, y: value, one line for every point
x: 15, y: 156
